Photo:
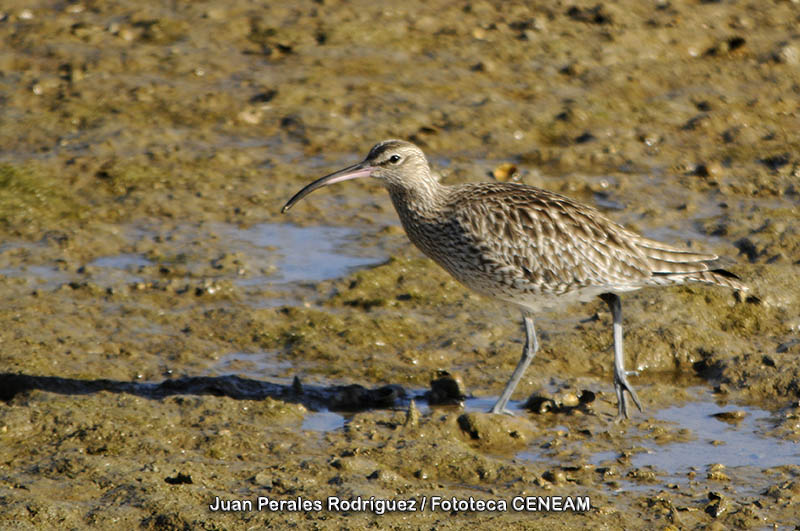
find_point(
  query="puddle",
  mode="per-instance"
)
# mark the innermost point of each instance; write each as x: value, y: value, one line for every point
x: 731, y: 444
x: 276, y: 254
x: 323, y: 421
x: 120, y: 269
x: 482, y: 404
x: 15, y: 262
x: 743, y: 444
x: 258, y: 365
x: 307, y: 254
x: 129, y: 261
x: 37, y: 274
x: 266, y: 366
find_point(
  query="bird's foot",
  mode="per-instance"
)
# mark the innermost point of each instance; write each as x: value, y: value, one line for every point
x: 501, y: 409
x: 621, y: 385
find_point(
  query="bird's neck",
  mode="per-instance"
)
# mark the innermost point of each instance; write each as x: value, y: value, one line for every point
x: 422, y: 200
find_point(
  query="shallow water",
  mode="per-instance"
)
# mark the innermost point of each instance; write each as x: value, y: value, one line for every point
x: 41, y: 276
x: 733, y: 444
x: 125, y: 262
x: 743, y: 448
x: 742, y: 443
x: 260, y: 365
x: 299, y: 254
x: 281, y: 253
x: 323, y: 421
x: 15, y: 263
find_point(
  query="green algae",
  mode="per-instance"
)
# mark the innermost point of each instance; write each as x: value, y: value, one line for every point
x: 32, y: 195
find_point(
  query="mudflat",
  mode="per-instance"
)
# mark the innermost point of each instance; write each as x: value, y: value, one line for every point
x: 171, y: 344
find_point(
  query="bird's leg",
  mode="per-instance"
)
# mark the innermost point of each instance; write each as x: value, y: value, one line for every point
x: 620, y: 374
x: 528, y: 352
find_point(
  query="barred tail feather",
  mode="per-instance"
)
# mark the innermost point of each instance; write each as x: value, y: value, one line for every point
x: 673, y: 265
x: 675, y: 255
x: 719, y: 277
x: 661, y: 252
x: 668, y: 267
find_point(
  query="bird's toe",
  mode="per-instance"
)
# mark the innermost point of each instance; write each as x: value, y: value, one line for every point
x: 502, y: 410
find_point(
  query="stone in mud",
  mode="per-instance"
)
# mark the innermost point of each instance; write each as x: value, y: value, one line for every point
x: 446, y: 388
x: 498, y: 432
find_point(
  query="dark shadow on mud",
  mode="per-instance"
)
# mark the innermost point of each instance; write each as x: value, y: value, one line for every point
x: 335, y: 398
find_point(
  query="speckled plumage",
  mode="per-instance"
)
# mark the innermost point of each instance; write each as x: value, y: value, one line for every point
x: 541, y: 250
x: 535, y: 249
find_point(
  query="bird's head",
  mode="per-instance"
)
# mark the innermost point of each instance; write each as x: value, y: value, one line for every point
x: 396, y: 163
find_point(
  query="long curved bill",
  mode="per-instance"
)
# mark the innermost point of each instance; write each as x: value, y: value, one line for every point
x: 362, y: 169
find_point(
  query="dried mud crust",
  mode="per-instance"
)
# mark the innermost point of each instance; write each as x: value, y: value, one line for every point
x: 134, y: 129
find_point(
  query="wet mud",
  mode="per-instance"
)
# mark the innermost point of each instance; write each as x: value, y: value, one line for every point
x: 170, y: 340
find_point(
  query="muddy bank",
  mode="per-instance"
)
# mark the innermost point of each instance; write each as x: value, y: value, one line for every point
x: 169, y: 338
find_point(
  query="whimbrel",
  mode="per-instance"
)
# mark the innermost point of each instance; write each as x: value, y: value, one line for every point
x: 535, y: 249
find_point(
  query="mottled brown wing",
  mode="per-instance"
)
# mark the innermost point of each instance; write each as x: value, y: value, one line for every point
x: 557, y: 244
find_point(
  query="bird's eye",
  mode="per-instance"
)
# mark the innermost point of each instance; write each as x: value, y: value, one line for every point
x: 394, y: 159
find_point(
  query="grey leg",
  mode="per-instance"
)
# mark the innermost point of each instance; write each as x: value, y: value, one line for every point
x: 528, y: 352
x: 620, y: 374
